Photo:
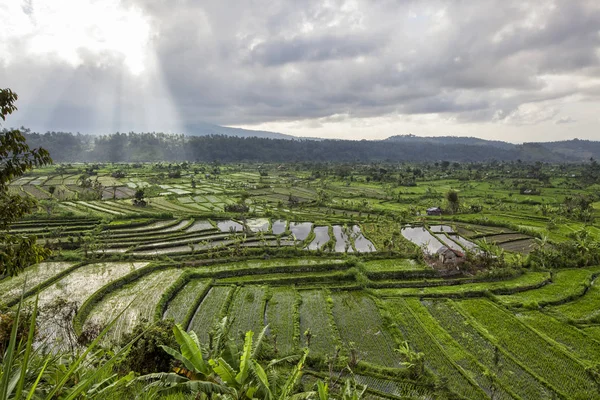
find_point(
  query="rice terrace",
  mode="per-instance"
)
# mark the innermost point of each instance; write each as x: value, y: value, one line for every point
x: 414, y: 280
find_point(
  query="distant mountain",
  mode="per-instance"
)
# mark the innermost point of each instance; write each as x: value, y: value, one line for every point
x: 208, y: 142
x: 461, y: 140
x: 206, y: 129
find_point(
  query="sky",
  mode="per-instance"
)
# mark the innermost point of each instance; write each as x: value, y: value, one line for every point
x: 512, y: 70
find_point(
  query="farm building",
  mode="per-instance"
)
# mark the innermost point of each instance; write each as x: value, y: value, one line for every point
x: 449, y: 256
x: 434, y: 211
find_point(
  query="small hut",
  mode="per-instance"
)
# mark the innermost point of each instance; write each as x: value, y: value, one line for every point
x: 434, y: 211
x: 449, y: 256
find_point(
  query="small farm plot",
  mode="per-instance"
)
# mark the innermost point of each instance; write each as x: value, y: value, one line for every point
x: 400, y: 267
x: 281, y: 317
x: 321, y: 238
x: 315, y: 319
x: 258, y: 224
x: 181, y: 225
x: 397, y: 389
x: 567, y: 284
x: 138, y: 299
x: 209, y: 311
x: 583, y: 309
x: 150, y: 227
x: 199, y: 226
x: 300, y: 230
x: 230, y: 226
x: 519, y: 246
x: 73, y: 290
x: 467, y: 244
x: 545, y: 359
x: 529, y: 280
x: 448, y: 242
x: 342, y: 239
x: 361, y: 243
x: 11, y: 288
x: 510, y: 375
x: 278, y: 227
x: 422, y: 238
x: 441, y: 229
x: 247, y: 312
x: 438, y: 359
x: 574, y: 340
x: 372, y: 340
x: 180, y: 305
x: 505, y: 237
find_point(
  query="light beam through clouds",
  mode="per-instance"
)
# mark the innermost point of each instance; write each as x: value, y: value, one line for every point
x: 512, y: 70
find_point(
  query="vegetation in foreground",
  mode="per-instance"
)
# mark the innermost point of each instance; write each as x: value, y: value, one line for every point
x: 339, y: 261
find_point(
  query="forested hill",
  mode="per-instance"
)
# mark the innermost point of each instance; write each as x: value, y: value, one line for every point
x: 206, y: 129
x: 463, y: 140
x: 142, y: 147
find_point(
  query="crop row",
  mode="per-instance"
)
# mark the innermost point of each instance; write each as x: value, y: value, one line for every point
x: 208, y: 313
x: 247, y: 311
x: 566, y: 285
x: 564, y: 373
x: 509, y: 374
x: 138, y: 299
x: 420, y: 337
x: 586, y: 309
x: 369, y: 337
x: 454, y: 288
x: 283, y: 319
x: 185, y: 299
x: 572, y: 339
x: 317, y: 329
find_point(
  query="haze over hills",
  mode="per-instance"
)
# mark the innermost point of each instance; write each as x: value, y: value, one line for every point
x: 206, y: 129
x: 470, y: 141
x: 239, y: 145
x: 561, y: 151
x: 565, y: 150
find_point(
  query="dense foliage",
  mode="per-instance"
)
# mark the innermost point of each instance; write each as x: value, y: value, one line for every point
x: 16, y: 158
x: 148, y: 147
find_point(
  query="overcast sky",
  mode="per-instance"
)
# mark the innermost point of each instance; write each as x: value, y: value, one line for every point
x: 499, y: 69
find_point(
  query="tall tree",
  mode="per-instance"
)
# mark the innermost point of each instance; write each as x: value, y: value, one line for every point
x: 453, y: 200
x: 16, y: 158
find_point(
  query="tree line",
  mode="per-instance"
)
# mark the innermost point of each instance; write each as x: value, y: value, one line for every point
x: 153, y: 146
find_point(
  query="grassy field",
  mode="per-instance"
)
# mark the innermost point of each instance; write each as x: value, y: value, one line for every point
x: 337, y: 263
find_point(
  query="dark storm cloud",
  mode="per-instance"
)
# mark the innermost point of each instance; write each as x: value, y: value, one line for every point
x: 238, y: 62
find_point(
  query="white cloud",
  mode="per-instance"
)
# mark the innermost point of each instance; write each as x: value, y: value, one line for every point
x: 564, y: 120
x: 73, y: 30
x: 506, y: 69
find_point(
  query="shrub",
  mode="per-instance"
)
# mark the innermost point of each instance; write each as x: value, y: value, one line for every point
x: 146, y: 355
x: 7, y: 320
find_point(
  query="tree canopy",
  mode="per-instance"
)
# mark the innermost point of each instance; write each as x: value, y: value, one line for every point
x: 16, y: 158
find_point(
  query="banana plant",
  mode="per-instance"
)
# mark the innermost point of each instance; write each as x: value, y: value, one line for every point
x: 229, y: 373
x: 196, y: 374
